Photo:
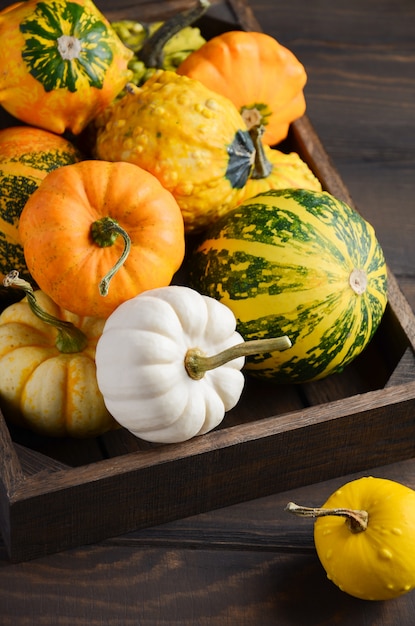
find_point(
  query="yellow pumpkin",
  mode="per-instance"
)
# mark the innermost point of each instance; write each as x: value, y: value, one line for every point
x: 365, y: 537
x: 47, y: 368
x: 192, y: 139
x: 62, y: 64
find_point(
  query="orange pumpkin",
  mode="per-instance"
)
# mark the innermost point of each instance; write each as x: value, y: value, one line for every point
x: 61, y: 63
x: 263, y: 79
x: 95, y: 221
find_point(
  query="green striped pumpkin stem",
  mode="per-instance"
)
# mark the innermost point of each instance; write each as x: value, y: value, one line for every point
x: 356, y: 520
x: 197, y: 363
x: 70, y: 339
x: 262, y: 166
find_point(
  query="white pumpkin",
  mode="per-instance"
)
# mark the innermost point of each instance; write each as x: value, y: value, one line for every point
x: 152, y: 368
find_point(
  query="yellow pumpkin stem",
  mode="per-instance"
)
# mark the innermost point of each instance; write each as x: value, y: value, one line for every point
x: 262, y: 166
x: 105, y: 232
x: 356, y: 520
x: 197, y: 363
x: 151, y: 53
x: 70, y: 339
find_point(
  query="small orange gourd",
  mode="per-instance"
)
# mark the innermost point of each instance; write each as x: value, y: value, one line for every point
x: 61, y: 63
x: 94, y: 222
x: 264, y: 79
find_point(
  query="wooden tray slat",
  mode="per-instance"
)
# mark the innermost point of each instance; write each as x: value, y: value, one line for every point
x: 114, y: 496
x: 405, y: 370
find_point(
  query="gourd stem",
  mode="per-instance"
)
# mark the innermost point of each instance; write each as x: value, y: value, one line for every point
x: 151, y: 54
x: 356, y: 520
x: 197, y: 363
x: 105, y: 232
x: 358, y: 281
x: 262, y: 166
x: 70, y: 339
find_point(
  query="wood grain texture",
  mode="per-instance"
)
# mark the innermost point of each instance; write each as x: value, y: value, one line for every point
x: 360, y: 61
x: 248, y: 564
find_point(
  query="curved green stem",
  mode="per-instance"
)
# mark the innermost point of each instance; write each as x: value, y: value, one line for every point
x: 356, y: 520
x: 105, y: 232
x: 69, y: 339
x: 151, y: 54
x: 197, y: 363
x: 262, y: 166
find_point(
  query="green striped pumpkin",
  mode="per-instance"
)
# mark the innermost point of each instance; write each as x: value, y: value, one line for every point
x: 299, y: 263
x: 27, y: 155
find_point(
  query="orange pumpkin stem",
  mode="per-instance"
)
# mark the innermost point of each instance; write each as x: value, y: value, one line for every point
x: 197, y: 363
x: 262, y: 166
x: 151, y: 54
x: 105, y: 232
x: 70, y: 339
x: 356, y: 520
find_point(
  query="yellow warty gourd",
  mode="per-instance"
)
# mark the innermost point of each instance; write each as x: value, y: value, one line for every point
x: 192, y: 139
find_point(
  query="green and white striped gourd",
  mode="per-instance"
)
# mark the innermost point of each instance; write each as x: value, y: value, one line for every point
x: 299, y: 263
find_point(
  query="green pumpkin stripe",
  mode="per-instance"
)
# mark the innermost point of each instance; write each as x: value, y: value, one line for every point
x: 51, y: 159
x: 15, y: 191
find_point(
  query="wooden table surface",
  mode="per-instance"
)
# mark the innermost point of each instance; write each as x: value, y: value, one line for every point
x: 252, y: 564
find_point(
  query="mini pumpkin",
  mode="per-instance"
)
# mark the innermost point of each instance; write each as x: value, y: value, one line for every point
x: 63, y: 63
x: 296, y: 262
x: 27, y: 155
x: 365, y: 537
x: 169, y: 361
x: 47, y: 367
x: 264, y: 79
x: 192, y: 139
x: 94, y: 222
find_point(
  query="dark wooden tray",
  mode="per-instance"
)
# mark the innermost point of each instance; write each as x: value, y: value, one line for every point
x: 57, y: 494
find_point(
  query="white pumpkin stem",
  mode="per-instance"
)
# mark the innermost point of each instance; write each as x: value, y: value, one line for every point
x: 356, y: 520
x: 197, y: 363
x: 70, y: 339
